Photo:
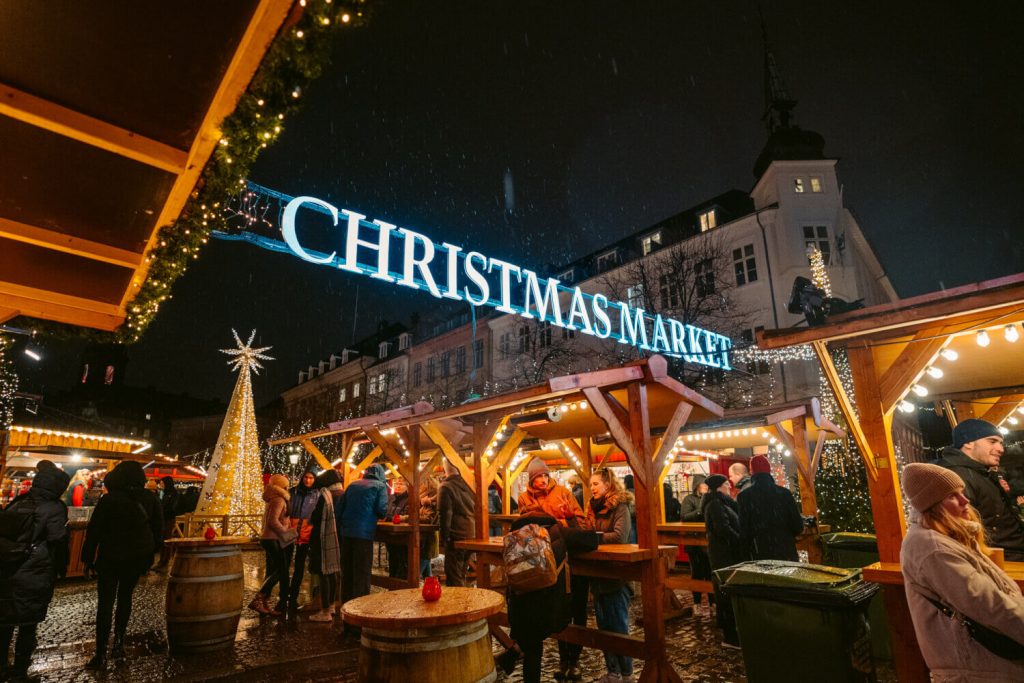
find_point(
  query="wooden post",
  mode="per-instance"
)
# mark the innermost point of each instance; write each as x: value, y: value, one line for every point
x: 481, y: 438
x: 5, y: 442
x: 413, y: 469
x: 804, y: 474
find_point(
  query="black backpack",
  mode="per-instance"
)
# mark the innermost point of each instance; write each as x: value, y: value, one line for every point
x: 17, y: 534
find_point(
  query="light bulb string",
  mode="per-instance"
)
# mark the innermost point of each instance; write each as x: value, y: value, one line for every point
x: 975, y: 327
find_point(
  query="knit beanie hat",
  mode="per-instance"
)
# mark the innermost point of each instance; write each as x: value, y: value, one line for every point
x: 537, y: 468
x: 715, y: 481
x: 760, y: 465
x: 928, y: 484
x: 972, y: 430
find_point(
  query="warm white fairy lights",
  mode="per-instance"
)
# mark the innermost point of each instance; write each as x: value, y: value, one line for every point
x: 80, y: 436
x: 982, y: 338
x: 818, y: 272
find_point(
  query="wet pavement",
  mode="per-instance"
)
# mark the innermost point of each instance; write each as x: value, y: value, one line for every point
x: 284, y: 651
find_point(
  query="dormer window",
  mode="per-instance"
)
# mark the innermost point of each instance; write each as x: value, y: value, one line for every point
x: 649, y: 243
x: 708, y: 220
x: 798, y: 185
x: 567, y: 275
x: 816, y: 184
x: 608, y: 260
x: 382, y: 350
x: 404, y: 341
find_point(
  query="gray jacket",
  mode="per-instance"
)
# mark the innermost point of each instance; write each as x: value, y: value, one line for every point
x: 455, y: 507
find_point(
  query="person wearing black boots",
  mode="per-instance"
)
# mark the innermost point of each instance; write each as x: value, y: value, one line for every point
x: 123, y: 533
x: 26, y: 585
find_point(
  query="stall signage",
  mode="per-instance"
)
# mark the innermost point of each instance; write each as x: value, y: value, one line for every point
x: 406, y: 258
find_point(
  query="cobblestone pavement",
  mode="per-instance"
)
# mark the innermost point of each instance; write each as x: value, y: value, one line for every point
x: 279, y: 651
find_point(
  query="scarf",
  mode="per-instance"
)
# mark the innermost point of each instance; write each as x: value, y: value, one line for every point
x: 330, y: 553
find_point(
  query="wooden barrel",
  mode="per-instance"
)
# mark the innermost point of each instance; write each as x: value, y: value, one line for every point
x: 440, y: 654
x: 204, y: 594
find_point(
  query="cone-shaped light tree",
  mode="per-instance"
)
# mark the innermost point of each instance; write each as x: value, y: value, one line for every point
x: 234, y: 477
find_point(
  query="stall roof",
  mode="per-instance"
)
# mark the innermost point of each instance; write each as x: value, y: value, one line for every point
x: 108, y: 114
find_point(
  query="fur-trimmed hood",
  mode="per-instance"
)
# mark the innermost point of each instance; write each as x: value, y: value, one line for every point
x: 277, y: 487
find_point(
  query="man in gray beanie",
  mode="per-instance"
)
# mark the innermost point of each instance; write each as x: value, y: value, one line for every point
x: 974, y: 455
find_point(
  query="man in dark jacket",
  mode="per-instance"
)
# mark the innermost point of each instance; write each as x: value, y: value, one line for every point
x: 364, y: 502
x: 722, y: 523
x: 975, y: 454
x: 700, y: 565
x: 455, y: 507
x: 770, y: 520
x: 123, y: 533
x: 27, y: 588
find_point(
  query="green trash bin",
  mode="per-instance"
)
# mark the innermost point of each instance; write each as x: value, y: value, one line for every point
x: 801, y: 622
x: 852, y: 550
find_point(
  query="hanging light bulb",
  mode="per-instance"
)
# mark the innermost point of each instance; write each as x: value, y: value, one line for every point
x: 1021, y: 410
x: 906, y: 406
x: 950, y: 354
x: 1004, y: 431
x: 934, y: 372
x: 1011, y: 333
x: 982, y: 338
x: 919, y: 390
x: 1012, y: 420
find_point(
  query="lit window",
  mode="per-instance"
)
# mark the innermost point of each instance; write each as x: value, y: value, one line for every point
x: 704, y: 277
x: 650, y: 242
x: 669, y: 292
x: 355, y: 390
x: 635, y: 296
x: 371, y: 387
x: 815, y: 184
x: 744, y: 265
x: 708, y: 220
x: 798, y: 185
x: 341, y: 395
x: 817, y: 236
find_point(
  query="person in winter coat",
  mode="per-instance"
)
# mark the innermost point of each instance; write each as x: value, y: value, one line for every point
x: 544, y: 494
x: 609, y: 515
x: 429, y: 545
x: 275, y: 539
x: 494, y: 507
x: 739, y: 476
x: 770, y: 519
x: 26, y: 588
x: 948, y: 575
x: 169, y: 508
x: 125, y: 529
x: 324, y: 543
x: 700, y: 566
x: 300, y: 508
x: 363, y: 503
x: 398, y: 504
x: 673, y: 508
x: 722, y: 521
x: 455, y: 507
x: 975, y: 454
x: 536, y: 615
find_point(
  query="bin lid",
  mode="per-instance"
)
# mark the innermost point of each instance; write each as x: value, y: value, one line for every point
x: 797, y: 582
x: 851, y: 541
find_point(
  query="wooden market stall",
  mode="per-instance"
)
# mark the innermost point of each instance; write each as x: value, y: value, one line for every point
x: 956, y: 351
x: 637, y: 406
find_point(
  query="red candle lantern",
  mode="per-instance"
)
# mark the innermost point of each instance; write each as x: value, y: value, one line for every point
x: 397, y: 519
x: 209, y: 534
x: 431, y: 589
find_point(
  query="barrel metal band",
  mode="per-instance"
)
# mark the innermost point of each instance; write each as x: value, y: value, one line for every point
x: 203, y: 552
x: 204, y: 579
x: 400, y: 640
x: 209, y: 617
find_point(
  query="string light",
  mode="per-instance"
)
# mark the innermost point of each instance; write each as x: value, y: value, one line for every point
x: 934, y: 372
x: 949, y: 354
x: 1011, y: 333
x: 919, y: 390
x: 982, y: 338
x: 8, y: 384
x: 818, y: 273
x: 907, y: 406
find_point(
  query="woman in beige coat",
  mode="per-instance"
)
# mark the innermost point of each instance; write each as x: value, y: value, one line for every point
x: 276, y: 537
x: 944, y: 559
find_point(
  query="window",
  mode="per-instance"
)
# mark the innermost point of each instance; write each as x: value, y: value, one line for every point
x: 431, y: 370
x: 382, y: 349
x: 759, y: 367
x: 798, y: 185
x: 371, y: 386
x: 650, y: 242
x: 704, y: 277
x: 417, y: 374
x: 635, y: 296
x: 506, y: 343
x: 567, y: 275
x: 446, y: 363
x: 544, y: 334
x: 478, y: 353
x: 744, y: 264
x: 817, y: 236
x: 708, y: 220
x: 460, y: 359
x: 342, y: 395
x: 816, y: 184
x: 568, y: 333
x: 607, y: 260
x: 524, y: 339
x: 668, y: 292
x: 355, y: 390
x: 404, y: 341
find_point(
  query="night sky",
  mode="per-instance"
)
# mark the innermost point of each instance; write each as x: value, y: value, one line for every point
x: 539, y: 131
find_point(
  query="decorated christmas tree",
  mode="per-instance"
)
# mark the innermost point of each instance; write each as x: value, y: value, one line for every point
x: 234, y: 477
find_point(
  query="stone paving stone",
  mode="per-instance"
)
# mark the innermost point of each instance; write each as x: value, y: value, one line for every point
x: 275, y: 650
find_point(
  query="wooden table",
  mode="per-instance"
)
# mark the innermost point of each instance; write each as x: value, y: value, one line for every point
x: 504, y: 520
x: 890, y: 574
x: 399, y: 534
x: 405, y: 638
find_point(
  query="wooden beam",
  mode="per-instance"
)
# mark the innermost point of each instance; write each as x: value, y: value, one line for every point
x: 315, y: 452
x: 507, y: 452
x: 806, y: 466
x: 611, y: 416
x: 265, y: 22
x: 68, y: 244
x: 351, y: 472
x: 919, y: 353
x: 75, y: 310
x: 846, y: 407
x: 439, y: 440
x: 599, y: 378
x: 668, y: 440
x: 483, y: 437
x: 389, y: 451
x: 55, y: 118
x: 819, y: 446
x: 1002, y: 408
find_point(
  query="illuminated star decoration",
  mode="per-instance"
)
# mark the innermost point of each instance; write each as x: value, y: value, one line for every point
x: 245, y: 355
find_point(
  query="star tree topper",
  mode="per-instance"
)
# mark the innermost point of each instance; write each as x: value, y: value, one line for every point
x: 245, y: 355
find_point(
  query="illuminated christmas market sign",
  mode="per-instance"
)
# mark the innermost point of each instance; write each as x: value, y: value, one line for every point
x: 446, y: 271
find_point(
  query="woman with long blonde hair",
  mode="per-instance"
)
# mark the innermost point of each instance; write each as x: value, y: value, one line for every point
x: 954, y: 590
